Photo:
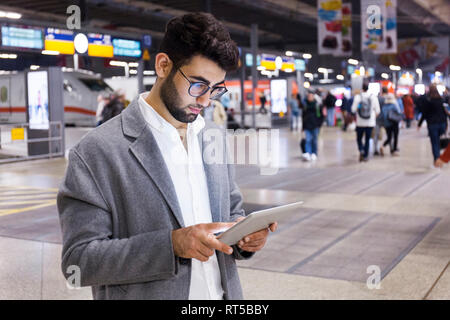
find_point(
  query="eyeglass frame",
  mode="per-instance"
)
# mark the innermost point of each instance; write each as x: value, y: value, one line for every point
x: 207, y: 89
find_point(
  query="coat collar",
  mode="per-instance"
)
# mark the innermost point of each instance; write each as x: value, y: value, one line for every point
x: 146, y: 151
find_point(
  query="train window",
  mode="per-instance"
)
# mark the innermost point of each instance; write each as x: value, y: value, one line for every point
x: 96, y: 84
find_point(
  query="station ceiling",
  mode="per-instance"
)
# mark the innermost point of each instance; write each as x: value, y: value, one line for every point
x: 282, y: 24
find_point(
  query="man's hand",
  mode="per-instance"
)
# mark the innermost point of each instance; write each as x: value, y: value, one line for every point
x: 256, y: 241
x: 199, y: 241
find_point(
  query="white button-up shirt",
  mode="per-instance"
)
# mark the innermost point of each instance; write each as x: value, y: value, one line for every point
x: 189, y: 179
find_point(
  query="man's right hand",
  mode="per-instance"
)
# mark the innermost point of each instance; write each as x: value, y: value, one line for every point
x: 199, y: 242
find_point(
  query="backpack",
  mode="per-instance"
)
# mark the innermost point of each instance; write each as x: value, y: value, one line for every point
x: 365, y: 108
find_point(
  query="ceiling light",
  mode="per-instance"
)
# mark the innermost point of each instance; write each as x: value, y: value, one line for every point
x: 50, y: 52
x: 118, y: 63
x: 149, y: 73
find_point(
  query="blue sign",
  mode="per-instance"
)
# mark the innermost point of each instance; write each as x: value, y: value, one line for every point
x: 22, y: 37
x: 147, y: 41
x: 127, y: 48
x: 350, y: 69
x: 300, y: 65
x: 249, y: 60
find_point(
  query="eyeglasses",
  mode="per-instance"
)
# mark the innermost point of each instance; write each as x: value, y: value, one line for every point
x: 198, y: 88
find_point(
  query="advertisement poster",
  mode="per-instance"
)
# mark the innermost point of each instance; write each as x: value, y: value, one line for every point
x: 379, y: 26
x: 37, y: 84
x: 430, y: 53
x: 347, y: 43
x: 278, y: 95
x: 329, y: 26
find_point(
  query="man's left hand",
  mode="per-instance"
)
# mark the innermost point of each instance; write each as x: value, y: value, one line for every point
x: 255, y: 241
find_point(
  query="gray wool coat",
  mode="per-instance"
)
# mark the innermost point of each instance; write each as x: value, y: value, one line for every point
x: 117, y: 207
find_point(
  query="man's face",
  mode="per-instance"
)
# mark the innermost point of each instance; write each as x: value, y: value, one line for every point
x: 174, y: 90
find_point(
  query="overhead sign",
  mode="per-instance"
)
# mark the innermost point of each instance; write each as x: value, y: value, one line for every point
x: 126, y: 48
x: 60, y: 40
x: 300, y: 65
x: 100, y: 45
x: 269, y: 62
x: 249, y: 60
x: 22, y: 37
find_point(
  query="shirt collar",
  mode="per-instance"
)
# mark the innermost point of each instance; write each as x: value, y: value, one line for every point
x: 159, y: 123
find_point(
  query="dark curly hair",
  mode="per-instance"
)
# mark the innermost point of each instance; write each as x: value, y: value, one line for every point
x: 199, y: 33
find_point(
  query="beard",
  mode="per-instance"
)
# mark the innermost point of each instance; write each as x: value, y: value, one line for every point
x: 172, y: 101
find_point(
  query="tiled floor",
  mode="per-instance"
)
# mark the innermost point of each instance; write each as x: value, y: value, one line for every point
x: 391, y: 213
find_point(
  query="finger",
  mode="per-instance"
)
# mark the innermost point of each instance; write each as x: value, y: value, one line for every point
x: 215, y: 244
x: 251, y: 248
x: 205, y: 250
x: 261, y: 234
x: 216, y: 227
x: 273, y: 227
x: 199, y: 256
x: 252, y: 243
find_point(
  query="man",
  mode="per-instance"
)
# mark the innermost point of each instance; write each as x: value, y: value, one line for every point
x: 379, y: 122
x: 367, y: 108
x: 139, y: 206
x: 329, y: 102
x: 295, y: 110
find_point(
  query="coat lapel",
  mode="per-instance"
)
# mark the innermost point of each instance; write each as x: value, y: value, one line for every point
x: 147, y: 153
x: 213, y: 184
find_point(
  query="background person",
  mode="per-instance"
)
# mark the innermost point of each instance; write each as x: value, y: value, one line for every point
x: 367, y: 108
x: 329, y: 103
x: 409, y: 107
x: 219, y: 114
x: 391, y: 118
x: 312, y: 117
x: 433, y: 112
x: 295, y: 110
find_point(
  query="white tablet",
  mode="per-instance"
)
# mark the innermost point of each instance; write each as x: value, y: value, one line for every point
x: 256, y: 221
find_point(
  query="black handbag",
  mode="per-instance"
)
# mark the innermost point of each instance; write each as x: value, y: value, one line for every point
x: 394, y: 116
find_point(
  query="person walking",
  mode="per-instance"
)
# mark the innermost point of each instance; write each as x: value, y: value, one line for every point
x: 295, y: 110
x: 113, y: 108
x: 408, y: 105
x: 367, y: 108
x: 433, y: 112
x: 312, y: 117
x: 392, y: 116
x: 219, y: 114
x: 329, y: 103
x: 139, y: 206
x: 379, y: 124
